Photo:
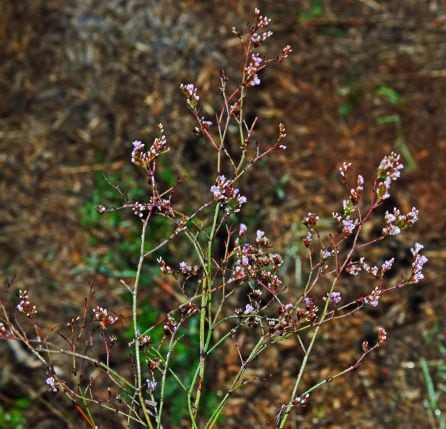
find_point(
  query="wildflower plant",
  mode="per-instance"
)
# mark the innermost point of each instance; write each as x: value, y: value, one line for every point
x: 211, y: 282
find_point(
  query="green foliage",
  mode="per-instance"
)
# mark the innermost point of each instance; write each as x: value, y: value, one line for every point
x: 351, y: 94
x: 13, y: 418
x: 434, y: 376
x: 118, y: 229
x: 183, y: 364
x: 316, y: 10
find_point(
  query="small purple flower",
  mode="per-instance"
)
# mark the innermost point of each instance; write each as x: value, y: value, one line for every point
x: 24, y: 306
x: 388, y: 171
x: 307, y: 239
x: 261, y: 238
x: 242, y: 199
x: 395, y: 221
x: 215, y: 190
x: 243, y: 228
x: 190, y: 88
x: 260, y: 235
x: 151, y: 385
x: 308, y: 301
x: 254, y: 81
x: 418, y: 263
x: 355, y: 193
x: 326, y: 253
x: 416, y: 248
x: 248, y: 309
x: 387, y: 265
x: 348, y: 226
x: 257, y: 60
x: 335, y: 297
x: 137, y: 145
x: 51, y: 381
x: 390, y: 167
x: 373, y: 298
x: 190, y: 92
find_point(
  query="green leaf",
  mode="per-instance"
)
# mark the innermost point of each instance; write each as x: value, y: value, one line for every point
x: 345, y: 109
x: 390, y: 95
x: 388, y: 119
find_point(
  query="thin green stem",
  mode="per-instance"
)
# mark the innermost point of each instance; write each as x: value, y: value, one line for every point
x: 136, y: 332
x: 205, y: 312
x: 163, y: 379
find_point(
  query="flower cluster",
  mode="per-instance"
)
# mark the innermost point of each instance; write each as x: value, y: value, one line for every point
x: 354, y: 268
x: 288, y: 320
x: 355, y: 193
x: 262, y: 240
x: 51, y: 381
x: 224, y: 192
x: 347, y: 224
x: 151, y: 385
x: 190, y: 93
x: 24, y: 306
x: 418, y: 263
x: 388, y: 171
x: 249, y: 313
x: 373, y: 298
x: 165, y: 269
x: 101, y: 315
x: 343, y: 169
x: 395, y: 222
x: 187, y: 269
x: 160, y: 205
x: 286, y: 51
x: 253, y: 263
x: 261, y: 22
x: 309, y: 313
x: 301, y: 401
x: 310, y: 220
x: 170, y: 326
x: 335, y: 297
x: 252, y: 69
x: 282, y: 135
x: 159, y: 146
